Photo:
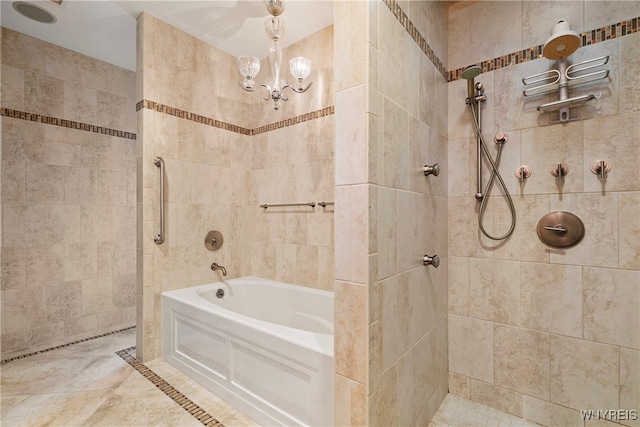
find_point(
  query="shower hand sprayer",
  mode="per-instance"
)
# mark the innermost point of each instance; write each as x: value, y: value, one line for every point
x: 475, y: 96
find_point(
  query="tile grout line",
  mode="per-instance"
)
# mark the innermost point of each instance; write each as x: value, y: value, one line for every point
x: 57, y: 347
x: 183, y: 401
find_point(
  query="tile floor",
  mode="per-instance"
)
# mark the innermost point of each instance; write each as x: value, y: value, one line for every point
x: 88, y: 384
x: 459, y: 412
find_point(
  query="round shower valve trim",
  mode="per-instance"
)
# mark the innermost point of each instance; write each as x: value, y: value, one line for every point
x: 213, y: 240
x: 560, y: 229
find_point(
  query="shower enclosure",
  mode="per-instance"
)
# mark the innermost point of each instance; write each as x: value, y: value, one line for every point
x: 518, y: 312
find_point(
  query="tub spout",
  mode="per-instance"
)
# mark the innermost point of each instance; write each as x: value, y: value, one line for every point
x: 215, y: 266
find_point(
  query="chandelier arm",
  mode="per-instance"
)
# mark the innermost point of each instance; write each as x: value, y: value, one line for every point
x: 298, y: 90
x: 268, y: 97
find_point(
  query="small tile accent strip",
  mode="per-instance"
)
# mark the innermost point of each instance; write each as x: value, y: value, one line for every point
x: 587, y: 38
x: 5, y: 361
x: 48, y: 120
x: 183, y: 401
x: 294, y: 120
x: 598, y: 35
x: 397, y: 11
x: 176, y: 112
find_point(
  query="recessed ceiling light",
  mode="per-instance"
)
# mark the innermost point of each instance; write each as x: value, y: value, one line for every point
x: 34, y: 12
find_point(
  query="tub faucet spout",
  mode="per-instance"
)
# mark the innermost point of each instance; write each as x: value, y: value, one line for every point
x: 215, y: 266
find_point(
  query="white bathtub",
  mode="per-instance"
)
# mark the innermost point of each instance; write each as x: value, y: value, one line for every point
x: 266, y: 347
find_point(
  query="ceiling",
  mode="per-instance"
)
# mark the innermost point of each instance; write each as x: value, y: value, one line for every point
x: 106, y: 29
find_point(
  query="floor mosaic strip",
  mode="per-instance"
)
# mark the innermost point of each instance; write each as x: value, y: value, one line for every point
x: 22, y: 356
x: 183, y: 401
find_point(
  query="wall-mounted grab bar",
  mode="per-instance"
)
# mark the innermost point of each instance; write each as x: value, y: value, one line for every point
x: 325, y: 204
x: 265, y: 206
x: 159, y: 238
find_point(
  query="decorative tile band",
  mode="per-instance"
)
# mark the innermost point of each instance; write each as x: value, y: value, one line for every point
x: 176, y: 112
x: 394, y: 7
x: 587, y: 38
x: 48, y: 120
x: 185, y: 403
x: 598, y: 35
x: 3, y: 362
x: 294, y: 120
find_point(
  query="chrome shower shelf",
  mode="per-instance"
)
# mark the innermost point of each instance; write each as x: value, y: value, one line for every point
x: 550, y: 81
x: 560, y: 80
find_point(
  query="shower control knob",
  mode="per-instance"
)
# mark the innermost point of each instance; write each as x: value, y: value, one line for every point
x: 501, y: 138
x: 601, y: 167
x: 560, y: 170
x: 431, y: 260
x: 523, y: 172
x: 431, y: 170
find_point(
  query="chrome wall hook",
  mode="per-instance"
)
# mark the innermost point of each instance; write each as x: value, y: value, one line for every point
x: 431, y: 260
x: 431, y: 170
x: 601, y: 168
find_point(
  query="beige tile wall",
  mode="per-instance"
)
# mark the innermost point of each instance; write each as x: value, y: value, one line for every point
x: 564, y: 323
x: 388, y: 215
x: 217, y: 178
x: 352, y: 23
x: 68, y: 197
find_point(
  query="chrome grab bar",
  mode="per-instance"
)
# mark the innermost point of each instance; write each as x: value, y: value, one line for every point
x: 267, y: 205
x: 159, y: 238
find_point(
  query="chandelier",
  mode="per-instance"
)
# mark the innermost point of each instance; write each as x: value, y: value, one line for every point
x: 275, y: 85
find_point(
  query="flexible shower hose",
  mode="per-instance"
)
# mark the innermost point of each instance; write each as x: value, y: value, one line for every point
x: 494, y: 174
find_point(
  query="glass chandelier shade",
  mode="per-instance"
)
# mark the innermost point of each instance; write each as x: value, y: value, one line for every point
x: 249, y: 66
x: 300, y: 67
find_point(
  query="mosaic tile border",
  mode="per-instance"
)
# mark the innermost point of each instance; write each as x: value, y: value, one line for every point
x: 402, y: 17
x: 106, y: 334
x: 183, y: 401
x: 294, y: 120
x: 597, y: 35
x: 183, y: 114
x: 55, y: 121
x: 587, y: 38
